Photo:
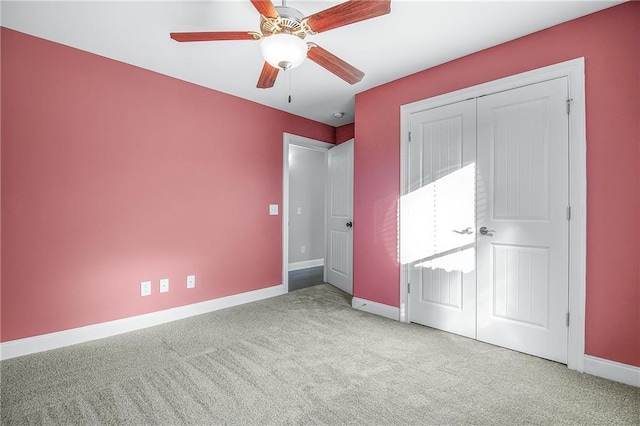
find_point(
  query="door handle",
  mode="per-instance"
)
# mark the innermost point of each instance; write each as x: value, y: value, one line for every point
x: 349, y: 224
x: 464, y: 231
x: 487, y: 232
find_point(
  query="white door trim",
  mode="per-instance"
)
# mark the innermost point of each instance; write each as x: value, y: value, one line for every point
x: 574, y: 71
x: 291, y: 139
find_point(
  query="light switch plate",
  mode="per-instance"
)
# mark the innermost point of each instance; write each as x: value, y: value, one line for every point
x: 273, y: 209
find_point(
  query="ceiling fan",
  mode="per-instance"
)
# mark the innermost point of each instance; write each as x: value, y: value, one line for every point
x: 283, y: 30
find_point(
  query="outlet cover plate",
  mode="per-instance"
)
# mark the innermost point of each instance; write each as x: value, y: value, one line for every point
x: 164, y: 285
x: 191, y: 281
x: 145, y: 288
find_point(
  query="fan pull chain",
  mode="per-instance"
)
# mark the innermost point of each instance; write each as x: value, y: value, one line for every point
x: 285, y: 76
x: 287, y: 85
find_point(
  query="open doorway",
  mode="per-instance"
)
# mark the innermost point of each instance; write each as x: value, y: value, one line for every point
x: 317, y: 213
x: 307, y: 186
x: 303, y: 213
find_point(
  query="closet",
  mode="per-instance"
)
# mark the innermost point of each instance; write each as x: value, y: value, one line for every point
x: 484, y: 225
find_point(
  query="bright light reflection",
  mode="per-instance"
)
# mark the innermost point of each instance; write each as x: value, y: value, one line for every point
x: 433, y: 220
x: 457, y: 261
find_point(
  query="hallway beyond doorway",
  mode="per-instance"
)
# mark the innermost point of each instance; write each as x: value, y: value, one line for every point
x: 303, y: 278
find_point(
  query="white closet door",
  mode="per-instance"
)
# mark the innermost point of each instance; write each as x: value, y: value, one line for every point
x: 437, y: 218
x: 522, y: 203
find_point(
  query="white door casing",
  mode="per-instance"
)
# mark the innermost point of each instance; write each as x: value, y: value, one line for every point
x: 573, y: 70
x: 522, y: 195
x: 339, y: 257
x: 523, y: 190
x: 437, y: 218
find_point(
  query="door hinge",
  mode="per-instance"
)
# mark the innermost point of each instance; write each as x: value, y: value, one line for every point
x: 408, y: 287
x: 568, y: 212
x: 569, y: 105
x: 567, y: 319
x: 409, y: 136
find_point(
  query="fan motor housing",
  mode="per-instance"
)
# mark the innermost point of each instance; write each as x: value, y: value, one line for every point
x: 289, y: 21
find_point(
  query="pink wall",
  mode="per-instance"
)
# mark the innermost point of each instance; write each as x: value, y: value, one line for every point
x: 610, y: 43
x: 113, y: 175
x: 344, y: 133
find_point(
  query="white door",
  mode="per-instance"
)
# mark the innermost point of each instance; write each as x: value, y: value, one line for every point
x: 437, y: 218
x: 523, y: 190
x: 339, y: 263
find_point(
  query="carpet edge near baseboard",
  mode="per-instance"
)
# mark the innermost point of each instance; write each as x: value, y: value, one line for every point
x: 59, y: 339
x: 376, y: 308
x: 612, y: 370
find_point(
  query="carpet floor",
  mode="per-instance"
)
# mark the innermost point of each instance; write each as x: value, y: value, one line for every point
x: 305, y: 357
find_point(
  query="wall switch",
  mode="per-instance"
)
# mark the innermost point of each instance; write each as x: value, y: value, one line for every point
x: 164, y: 285
x: 145, y: 288
x: 191, y: 281
x: 299, y: 210
x: 273, y: 209
x: 303, y: 249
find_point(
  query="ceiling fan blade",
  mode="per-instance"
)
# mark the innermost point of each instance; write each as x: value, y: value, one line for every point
x: 214, y: 36
x: 333, y: 64
x: 267, y: 76
x: 347, y: 13
x: 265, y: 8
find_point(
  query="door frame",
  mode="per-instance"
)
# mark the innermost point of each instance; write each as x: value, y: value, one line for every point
x: 574, y: 71
x: 289, y: 139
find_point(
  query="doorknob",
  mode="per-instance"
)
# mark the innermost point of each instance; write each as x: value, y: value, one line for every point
x: 349, y: 224
x: 464, y: 231
x: 487, y: 232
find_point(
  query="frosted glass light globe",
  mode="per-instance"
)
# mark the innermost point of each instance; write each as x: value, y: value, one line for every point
x: 284, y: 51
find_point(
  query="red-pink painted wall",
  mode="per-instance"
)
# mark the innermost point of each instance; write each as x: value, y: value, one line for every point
x: 113, y: 175
x: 344, y: 133
x: 610, y: 43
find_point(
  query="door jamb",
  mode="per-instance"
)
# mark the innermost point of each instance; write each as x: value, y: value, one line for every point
x: 574, y: 71
x: 289, y: 139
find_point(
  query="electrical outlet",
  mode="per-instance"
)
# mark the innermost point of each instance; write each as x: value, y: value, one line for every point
x: 164, y: 285
x: 191, y: 281
x: 303, y: 249
x: 145, y: 288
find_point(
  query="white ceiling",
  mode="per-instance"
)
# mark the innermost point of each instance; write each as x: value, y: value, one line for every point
x: 416, y: 35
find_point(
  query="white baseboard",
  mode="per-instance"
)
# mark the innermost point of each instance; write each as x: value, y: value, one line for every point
x: 295, y: 266
x: 612, y: 370
x: 45, y: 342
x: 381, y: 309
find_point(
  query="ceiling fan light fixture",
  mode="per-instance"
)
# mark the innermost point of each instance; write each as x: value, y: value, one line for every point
x: 284, y: 51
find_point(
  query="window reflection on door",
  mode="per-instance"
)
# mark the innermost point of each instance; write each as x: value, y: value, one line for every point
x: 438, y: 223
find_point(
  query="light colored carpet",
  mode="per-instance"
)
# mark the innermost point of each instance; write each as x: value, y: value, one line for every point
x: 304, y: 357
